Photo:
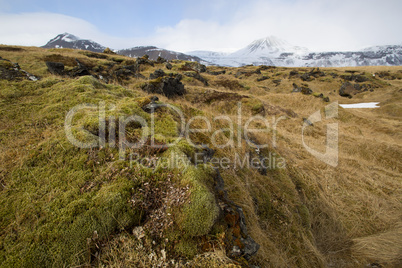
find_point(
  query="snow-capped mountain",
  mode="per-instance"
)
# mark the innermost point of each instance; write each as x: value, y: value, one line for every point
x: 209, y: 56
x: 154, y: 53
x: 266, y: 51
x: 269, y: 45
x: 67, y: 40
x: 276, y: 52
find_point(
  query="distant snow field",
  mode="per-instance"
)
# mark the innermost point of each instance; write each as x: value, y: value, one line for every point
x: 360, y: 105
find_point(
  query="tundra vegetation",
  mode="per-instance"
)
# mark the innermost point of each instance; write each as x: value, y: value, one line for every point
x: 65, y: 206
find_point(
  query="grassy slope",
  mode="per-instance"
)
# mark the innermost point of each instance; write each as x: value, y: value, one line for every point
x: 54, y: 196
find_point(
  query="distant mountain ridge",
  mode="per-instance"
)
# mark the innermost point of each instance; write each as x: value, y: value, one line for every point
x: 67, y: 40
x: 154, y: 53
x: 274, y: 51
x: 266, y: 51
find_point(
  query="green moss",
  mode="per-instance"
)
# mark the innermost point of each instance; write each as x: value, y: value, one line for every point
x: 200, y: 214
x: 6, y: 64
x: 186, y: 248
x: 90, y: 80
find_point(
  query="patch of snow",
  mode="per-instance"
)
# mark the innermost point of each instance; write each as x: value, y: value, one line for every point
x: 360, y: 105
x: 69, y: 38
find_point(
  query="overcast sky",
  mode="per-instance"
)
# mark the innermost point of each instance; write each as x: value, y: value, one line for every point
x: 218, y: 25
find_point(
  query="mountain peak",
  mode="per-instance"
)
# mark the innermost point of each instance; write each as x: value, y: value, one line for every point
x: 269, y: 43
x: 67, y: 37
x: 268, y: 46
x: 67, y: 40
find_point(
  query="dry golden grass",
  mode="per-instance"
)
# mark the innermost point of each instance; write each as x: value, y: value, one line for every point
x: 308, y: 215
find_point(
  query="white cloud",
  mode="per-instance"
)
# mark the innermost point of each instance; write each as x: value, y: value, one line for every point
x: 34, y: 29
x: 315, y: 24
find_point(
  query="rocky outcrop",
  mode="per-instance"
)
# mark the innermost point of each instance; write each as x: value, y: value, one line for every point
x: 158, y: 73
x: 314, y: 73
x: 216, y: 72
x: 355, y: 78
x: 168, y: 65
x: 12, y: 71
x: 194, y: 66
x: 80, y: 70
x: 347, y: 90
x: 152, y: 106
x: 306, y: 91
x: 262, y: 78
x: 197, y: 76
x: 239, y: 244
x: 56, y: 68
x: 168, y: 86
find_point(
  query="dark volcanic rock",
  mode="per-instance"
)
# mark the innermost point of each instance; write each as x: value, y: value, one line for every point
x: 296, y: 88
x: 12, y: 71
x: 238, y: 242
x: 294, y: 73
x: 80, y: 70
x: 168, y: 86
x: 194, y: 66
x: 168, y: 66
x: 347, y: 90
x: 216, y: 72
x: 306, y: 91
x: 197, y: 76
x: 158, y: 73
x: 56, y: 68
x: 316, y: 73
x: 152, y: 106
x: 144, y: 60
x: 160, y: 60
x: 264, y: 77
x: 277, y: 82
x: 306, y: 77
x: 8, y: 72
x: 354, y: 78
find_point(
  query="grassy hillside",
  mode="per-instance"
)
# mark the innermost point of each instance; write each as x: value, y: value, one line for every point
x: 65, y: 206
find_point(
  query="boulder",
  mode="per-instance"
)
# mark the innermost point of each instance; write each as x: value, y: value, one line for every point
x: 194, y: 66
x: 168, y: 66
x: 306, y: 90
x: 152, y: 106
x: 355, y: 78
x: 12, y: 71
x: 296, y: 88
x: 144, y: 60
x: 168, y: 86
x: 197, y: 76
x: 161, y: 60
x: 108, y: 51
x: 8, y: 72
x: 316, y: 73
x: 294, y: 73
x: 56, y: 68
x: 306, y: 77
x: 347, y: 90
x: 80, y: 70
x: 158, y: 73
